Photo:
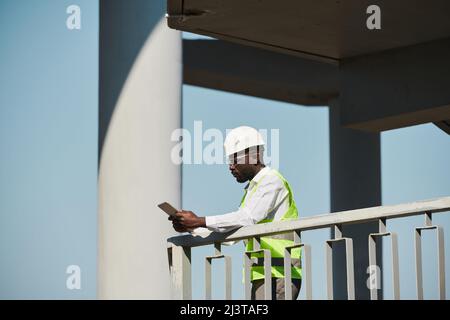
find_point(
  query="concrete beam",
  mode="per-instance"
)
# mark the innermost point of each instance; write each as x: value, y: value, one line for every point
x: 355, y: 182
x: 326, y: 30
x: 396, y: 88
x: 220, y: 65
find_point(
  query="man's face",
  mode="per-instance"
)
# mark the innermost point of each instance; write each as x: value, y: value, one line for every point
x: 241, y: 168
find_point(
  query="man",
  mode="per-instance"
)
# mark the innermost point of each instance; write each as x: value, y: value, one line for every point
x: 268, y: 197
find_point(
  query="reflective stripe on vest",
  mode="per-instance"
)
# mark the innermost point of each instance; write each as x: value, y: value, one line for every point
x: 275, y: 244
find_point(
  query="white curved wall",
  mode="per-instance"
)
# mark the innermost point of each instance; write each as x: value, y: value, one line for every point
x: 136, y: 172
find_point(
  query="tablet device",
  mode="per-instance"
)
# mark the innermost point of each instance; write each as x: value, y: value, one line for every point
x: 167, y: 208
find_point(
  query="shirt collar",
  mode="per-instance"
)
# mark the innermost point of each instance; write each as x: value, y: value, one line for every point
x: 258, y: 176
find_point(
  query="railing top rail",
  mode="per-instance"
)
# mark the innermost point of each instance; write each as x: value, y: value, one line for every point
x: 317, y: 222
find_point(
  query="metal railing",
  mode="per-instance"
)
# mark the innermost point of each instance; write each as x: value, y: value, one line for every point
x: 179, y: 249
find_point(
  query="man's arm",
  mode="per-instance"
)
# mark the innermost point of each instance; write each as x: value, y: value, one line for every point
x: 255, y: 209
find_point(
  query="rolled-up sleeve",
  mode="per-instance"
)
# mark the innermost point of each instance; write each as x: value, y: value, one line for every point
x: 256, y: 207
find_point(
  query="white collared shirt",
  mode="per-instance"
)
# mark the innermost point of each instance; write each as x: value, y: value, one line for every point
x: 269, y: 201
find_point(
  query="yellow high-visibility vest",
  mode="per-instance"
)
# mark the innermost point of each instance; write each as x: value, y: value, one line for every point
x: 275, y: 244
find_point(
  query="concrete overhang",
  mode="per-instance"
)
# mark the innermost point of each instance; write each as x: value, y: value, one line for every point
x: 326, y: 30
x: 315, y: 51
x: 218, y: 65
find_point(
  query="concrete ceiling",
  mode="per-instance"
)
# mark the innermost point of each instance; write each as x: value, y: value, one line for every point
x: 217, y: 64
x: 326, y: 30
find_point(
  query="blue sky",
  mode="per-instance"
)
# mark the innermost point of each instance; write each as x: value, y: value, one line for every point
x: 48, y: 137
x: 415, y: 166
x: 48, y: 149
x: 304, y: 161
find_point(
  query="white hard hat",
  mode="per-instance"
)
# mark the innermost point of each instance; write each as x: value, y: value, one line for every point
x: 242, y: 138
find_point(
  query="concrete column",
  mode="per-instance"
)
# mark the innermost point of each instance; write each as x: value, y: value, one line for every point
x: 355, y: 183
x: 140, y: 106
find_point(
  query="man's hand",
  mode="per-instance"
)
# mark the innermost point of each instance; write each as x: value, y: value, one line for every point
x: 186, y: 221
